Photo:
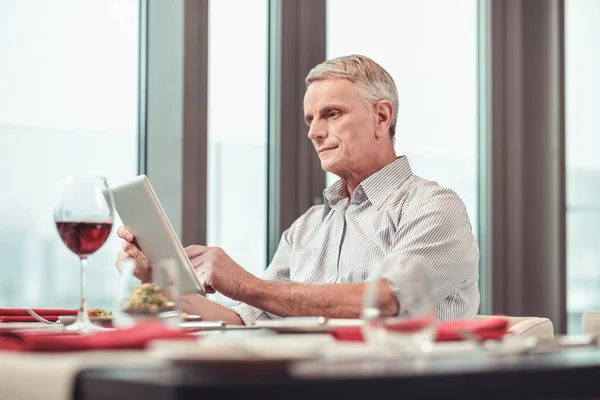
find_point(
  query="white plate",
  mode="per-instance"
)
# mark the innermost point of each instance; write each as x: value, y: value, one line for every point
x: 307, y: 325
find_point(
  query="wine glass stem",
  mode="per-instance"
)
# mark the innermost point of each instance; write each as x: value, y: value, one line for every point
x: 82, y: 316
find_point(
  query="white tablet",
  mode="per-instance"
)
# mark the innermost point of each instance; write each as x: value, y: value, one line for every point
x: 142, y: 215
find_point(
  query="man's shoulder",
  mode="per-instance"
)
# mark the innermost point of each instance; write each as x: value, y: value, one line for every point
x: 421, y: 191
x: 312, y: 216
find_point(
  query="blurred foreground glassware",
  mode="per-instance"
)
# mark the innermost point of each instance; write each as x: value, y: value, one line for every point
x: 139, y: 302
x: 412, y: 331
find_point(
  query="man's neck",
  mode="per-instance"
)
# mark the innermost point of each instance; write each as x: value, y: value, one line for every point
x: 354, y: 179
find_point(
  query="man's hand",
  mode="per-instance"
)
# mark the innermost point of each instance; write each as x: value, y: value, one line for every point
x: 216, y: 271
x: 143, y: 270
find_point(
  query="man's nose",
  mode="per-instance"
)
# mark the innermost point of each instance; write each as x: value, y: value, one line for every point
x: 317, y: 131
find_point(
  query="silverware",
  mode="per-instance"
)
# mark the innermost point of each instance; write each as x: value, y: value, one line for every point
x: 202, y: 325
x: 194, y: 322
x: 40, y: 318
x: 292, y: 322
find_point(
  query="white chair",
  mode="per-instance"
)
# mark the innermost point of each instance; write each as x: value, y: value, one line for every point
x: 590, y: 323
x: 540, y: 328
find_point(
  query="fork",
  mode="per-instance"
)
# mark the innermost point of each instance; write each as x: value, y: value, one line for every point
x: 39, y: 318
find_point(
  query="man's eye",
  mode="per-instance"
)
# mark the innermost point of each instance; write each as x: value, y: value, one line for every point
x: 334, y: 114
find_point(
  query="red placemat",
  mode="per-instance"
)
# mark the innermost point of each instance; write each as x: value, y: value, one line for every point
x: 21, y: 315
x: 135, y: 338
x: 488, y: 328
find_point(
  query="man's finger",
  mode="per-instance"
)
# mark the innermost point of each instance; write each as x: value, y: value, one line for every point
x: 132, y: 249
x: 202, y: 279
x: 196, y: 250
x: 209, y: 290
x: 123, y: 233
x: 143, y: 272
x: 141, y: 260
x: 122, y: 256
x: 199, y: 260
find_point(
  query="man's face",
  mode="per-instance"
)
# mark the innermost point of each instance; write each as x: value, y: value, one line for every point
x: 341, y: 126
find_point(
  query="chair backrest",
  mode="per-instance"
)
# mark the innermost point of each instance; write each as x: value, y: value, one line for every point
x: 590, y: 323
x: 541, y: 328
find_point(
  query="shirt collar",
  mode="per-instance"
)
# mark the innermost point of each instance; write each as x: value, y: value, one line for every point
x: 377, y: 187
x: 333, y: 195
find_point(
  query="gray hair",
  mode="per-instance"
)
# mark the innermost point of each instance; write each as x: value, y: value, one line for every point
x: 374, y: 82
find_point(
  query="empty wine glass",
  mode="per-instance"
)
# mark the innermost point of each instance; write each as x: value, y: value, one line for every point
x: 412, y: 331
x: 83, y: 214
x: 138, y: 302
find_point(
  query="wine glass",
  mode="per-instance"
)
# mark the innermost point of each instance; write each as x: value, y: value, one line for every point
x: 138, y: 302
x: 411, y: 332
x: 84, y: 217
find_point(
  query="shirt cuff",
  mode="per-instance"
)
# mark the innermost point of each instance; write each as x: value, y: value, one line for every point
x: 411, y: 290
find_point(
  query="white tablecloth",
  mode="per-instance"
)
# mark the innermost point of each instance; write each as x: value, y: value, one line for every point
x: 51, y: 376
x: 31, y: 376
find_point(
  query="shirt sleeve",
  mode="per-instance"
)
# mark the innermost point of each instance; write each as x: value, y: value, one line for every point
x: 278, y: 270
x: 434, y: 233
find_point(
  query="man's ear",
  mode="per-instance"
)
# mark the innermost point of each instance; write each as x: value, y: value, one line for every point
x: 383, y: 111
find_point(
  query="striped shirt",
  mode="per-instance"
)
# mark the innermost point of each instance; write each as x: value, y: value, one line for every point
x: 394, y: 216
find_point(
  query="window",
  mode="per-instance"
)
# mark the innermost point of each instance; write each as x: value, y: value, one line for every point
x: 430, y: 49
x: 68, y: 106
x: 237, y: 131
x: 582, y: 62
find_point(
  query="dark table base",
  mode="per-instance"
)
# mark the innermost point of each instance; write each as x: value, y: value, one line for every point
x: 562, y: 375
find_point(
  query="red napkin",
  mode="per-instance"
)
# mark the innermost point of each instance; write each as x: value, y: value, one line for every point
x: 20, y: 315
x: 488, y: 328
x: 134, y: 338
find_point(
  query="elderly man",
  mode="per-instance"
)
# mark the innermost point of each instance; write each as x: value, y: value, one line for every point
x: 377, y: 212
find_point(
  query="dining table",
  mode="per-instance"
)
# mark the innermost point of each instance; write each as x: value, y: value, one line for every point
x: 213, y: 364
x: 565, y: 374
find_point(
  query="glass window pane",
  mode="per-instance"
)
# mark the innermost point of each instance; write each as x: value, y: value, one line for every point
x: 582, y: 62
x: 430, y: 49
x: 68, y: 106
x: 583, y: 258
x: 237, y: 132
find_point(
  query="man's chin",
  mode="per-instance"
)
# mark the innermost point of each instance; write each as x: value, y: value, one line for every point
x: 328, y: 165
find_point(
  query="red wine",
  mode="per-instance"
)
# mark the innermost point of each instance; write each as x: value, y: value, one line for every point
x: 84, y: 238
